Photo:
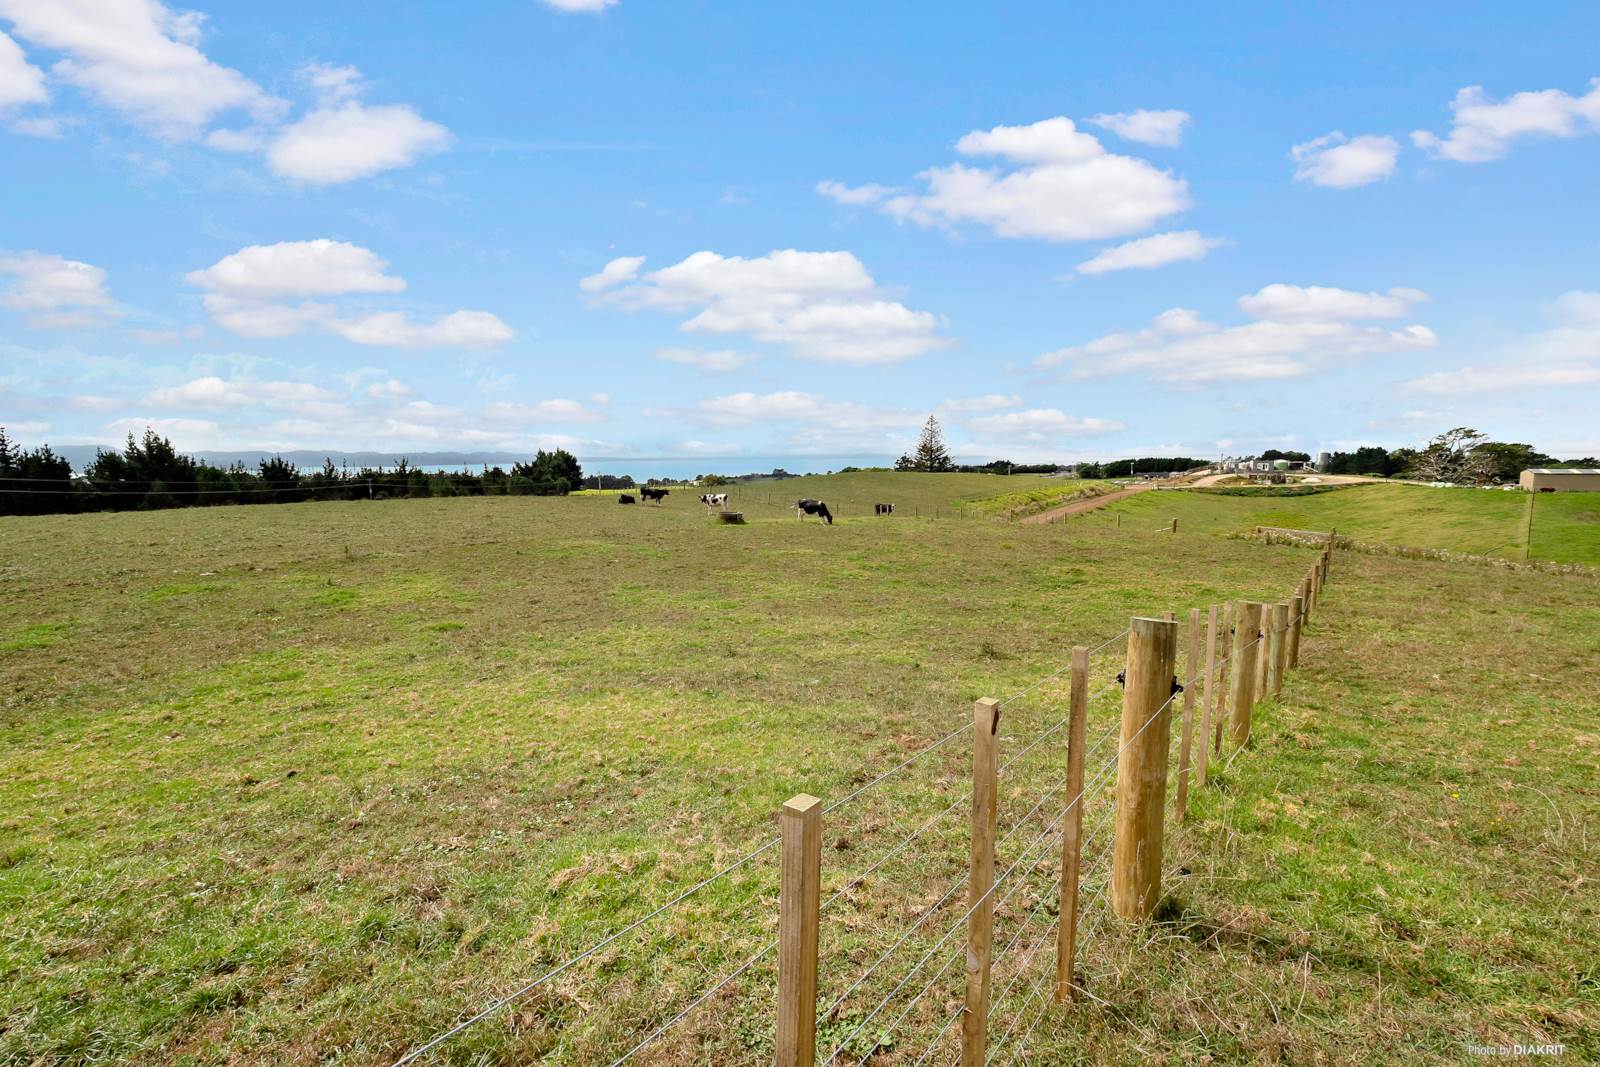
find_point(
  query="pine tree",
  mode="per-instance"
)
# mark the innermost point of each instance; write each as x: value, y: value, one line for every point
x: 8, y: 455
x: 930, y: 453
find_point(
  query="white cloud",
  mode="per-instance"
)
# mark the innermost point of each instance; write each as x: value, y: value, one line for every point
x: 855, y: 196
x: 1037, y: 424
x: 720, y: 361
x: 1565, y: 356
x: 389, y: 389
x: 343, y: 139
x: 821, y: 305
x: 212, y: 393
x: 1157, y: 250
x: 1062, y: 185
x: 54, y: 292
x: 558, y: 410
x: 20, y: 81
x: 47, y: 129
x: 619, y: 270
x: 1298, y: 330
x: 241, y: 288
x: 990, y: 402
x: 585, y: 6
x: 141, y: 59
x: 1162, y: 128
x: 1482, y: 129
x: 1339, y: 162
x: 458, y: 329
x: 1495, y: 378
x: 1320, y: 303
x: 297, y: 268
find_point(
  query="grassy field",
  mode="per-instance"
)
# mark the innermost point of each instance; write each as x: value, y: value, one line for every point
x: 1566, y: 526
x: 308, y: 783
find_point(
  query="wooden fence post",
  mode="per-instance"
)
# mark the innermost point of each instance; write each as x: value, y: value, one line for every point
x: 798, y: 901
x: 1174, y: 524
x: 1246, y: 650
x: 1205, y: 698
x: 1262, y: 660
x: 1191, y: 671
x: 1072, y: 836
x: 1142, y: 767
x: 980, y: 882
x: 1229, y: 669
x: 1278, y: 647
x: 1297, y: 616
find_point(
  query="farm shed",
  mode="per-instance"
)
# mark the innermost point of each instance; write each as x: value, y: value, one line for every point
x: 1557, y: 480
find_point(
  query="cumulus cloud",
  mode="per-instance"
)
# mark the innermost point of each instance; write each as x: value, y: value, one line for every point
x: 243, y: 291
x: 1565, y: 356
x: 1316, y: 303
x: 1297, y: 330
x: 1056, y: 183
x: 55, y: 293
x: 1482, y: 129
x: 557, y: 410
x: 1161, y: 128
x: 619, y: 270
x: 343, y: 139
x: 142, y: 59
x: 297, y: 268
x: 20, y: 81
x: 1042, y: 424
x: 820, y: 305
x: 720, y: 361
x: 855, y: 196
x: 212, y: 393
x: 1339, y: 162
x: 989, y: 402
x: 1157, y: 250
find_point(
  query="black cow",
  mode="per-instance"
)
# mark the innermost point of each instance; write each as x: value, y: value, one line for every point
x: 626, y: 498
x: 802, y: 508
x: 650, y: 494
x: 883, y: 509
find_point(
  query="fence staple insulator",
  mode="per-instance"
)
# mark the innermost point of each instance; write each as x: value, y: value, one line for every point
x: 1177, y: 686
x: 1122, y: 678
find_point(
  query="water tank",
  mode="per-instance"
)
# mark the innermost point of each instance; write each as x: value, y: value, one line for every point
x: 1324, y: 460
x: 1280, y: 464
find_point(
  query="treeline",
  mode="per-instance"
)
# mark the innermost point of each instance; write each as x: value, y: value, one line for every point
x: 1127, y: 468
x: 1461, y: 455
x: 149, y: 473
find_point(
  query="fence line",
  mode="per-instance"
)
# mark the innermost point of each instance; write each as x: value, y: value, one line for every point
x: 1261, y: 653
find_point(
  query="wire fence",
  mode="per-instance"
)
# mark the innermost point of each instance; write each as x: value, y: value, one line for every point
x: 855, y: 960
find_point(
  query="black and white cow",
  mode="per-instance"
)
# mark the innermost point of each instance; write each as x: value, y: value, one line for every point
x: 802, y: 508
x: 650, y: 494
x: 714, y: 500
x: 883, y: 509
x: 626, y: 498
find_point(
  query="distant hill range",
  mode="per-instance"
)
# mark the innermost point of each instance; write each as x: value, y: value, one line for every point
x: 81, y: 456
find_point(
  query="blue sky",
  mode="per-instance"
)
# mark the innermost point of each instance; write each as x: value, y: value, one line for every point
x: 1143, y: 229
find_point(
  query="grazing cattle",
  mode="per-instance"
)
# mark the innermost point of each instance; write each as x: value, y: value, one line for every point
x: 714, y: 500
x: 883, y: 509
x: 802, y: 508
x: 626, y: 498
x: 650, y: 494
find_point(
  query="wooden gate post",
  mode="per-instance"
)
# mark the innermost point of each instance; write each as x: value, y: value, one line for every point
x: 1191, y: 671
x: 980, y: 882
x: 800, y: 887
x: 1072, y: 836
x: 1246, y: 651
x: 1205, y: 698
x: 1142, y: 767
